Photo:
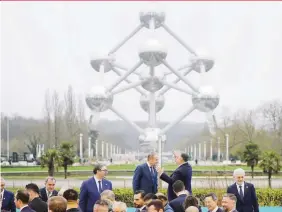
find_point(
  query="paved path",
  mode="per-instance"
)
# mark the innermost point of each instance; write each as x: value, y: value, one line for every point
x: 126, y: 182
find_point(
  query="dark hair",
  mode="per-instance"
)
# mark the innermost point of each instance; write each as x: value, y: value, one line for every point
x: 23, y: 196
x: 190, y: 201
x: 33, y: 187
x: 231, y: 196
x: 97, y: 167
x: 150, y: 196
x: 212, y: 195
x: 101, y: 202
x: 142, y: 192
x: 178, y: 186
x: 185, y: 156
x: 157, y: 203
x: 70, y: 194
x: 57, y: 204
x: 161, y: 196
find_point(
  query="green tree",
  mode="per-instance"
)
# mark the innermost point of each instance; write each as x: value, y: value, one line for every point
x: 66, y: 155
x: 52, y: 160
x: 270, y: 164
x: 251, y: 155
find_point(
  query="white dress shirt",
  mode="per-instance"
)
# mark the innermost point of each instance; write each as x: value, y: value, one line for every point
x: 238, y: 188
x: 23, y: 207
x: 97, y: 183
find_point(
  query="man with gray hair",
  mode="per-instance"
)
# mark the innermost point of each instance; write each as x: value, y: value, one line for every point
x: 119, y: 207
x: 6, y: 198
x: 192, y: 209
x: 146, y: 176
x: 49, y: 189
x: 245, y: 193
x: 109, y: 197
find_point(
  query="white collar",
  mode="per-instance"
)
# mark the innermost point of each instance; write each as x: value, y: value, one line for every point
x: 214, y: 210
x: 181, y: 192
x: 23, y: 207
x: 149, y: 165
x: 2, y: 193
x: 243, y: 185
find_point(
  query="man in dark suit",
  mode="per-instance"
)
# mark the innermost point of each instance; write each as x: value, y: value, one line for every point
x: 211, y: 203
x: 49, y: 189
x: 6, y: 198
x: 71, y: 196
x: 138, y: 200
x: 21, y: 201
x: 35, y: 202
x: 182, y: 173
x: 179, y: 190
x: 244, y: 192
x: 145, y: 175
x: 91, y: 189
x: 229, y: 203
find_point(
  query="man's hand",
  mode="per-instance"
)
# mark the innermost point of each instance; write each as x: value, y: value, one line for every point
x: 160, y: 170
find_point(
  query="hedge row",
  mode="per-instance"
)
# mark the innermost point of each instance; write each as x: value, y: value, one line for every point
x: 266, y: 197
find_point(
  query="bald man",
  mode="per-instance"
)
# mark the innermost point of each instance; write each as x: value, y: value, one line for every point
x: 245, y: 193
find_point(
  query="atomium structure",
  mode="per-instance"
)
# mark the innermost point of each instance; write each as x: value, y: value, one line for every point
x: 152, y: 85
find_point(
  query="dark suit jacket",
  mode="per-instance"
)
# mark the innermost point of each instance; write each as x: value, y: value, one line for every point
x: 89, y: 193
x: 8, y: 203
x: 183, y: 173
x: 177, y: 203
x: 250, y: 202
x: 38, y: 205
x: 143, y: 180
x: 43, y: 194
x: 27, y: 209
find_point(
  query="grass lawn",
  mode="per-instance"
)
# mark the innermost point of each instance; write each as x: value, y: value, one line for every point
x: 128, y: 167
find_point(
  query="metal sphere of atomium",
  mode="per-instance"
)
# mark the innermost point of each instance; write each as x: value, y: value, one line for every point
x: 150, y: 137
x: 145, y: 102
x: 206, y: 100
x: 152, y: 52
x: 197, y: 61
x: 106, y: 61
x: 153, y: 82
x: 98, y: 99
x: 157, y: 17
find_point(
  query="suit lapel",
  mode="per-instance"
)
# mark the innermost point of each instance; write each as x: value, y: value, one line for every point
x: 245, y: 190
x: 148, y: 172
x: 94, y: 185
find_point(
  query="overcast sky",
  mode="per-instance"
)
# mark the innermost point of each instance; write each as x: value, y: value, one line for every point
x: 49, y: 45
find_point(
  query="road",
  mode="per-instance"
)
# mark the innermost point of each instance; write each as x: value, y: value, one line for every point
x: 126, y: 182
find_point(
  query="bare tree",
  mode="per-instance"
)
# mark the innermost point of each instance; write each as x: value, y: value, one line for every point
x: 81, y: 113
x: 272, y: 113
x: 33, y: 140
x: 57, y: 112
x: 70, y: 114
x: 47, y: 116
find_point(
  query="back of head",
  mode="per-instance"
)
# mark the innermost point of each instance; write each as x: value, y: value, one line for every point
x: 121, y: 206
x: 150, y: 196
x: 192, y: 209
x: 32, y: 187
x: 23, y: 196
x: 157, y: 204
x: 108, y: 195
x: 57, y: 204
x: 178, y: 186
x: 161, y: 196
x: 190, y: 201
x: 70, y: 195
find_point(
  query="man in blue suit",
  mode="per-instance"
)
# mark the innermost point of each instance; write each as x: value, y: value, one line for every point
x: 182, y: 173
x: 179, y: 190
x: 6, y: 198
x: 245, y: 193
x: 21, y: 201
x: 146, y: 176
x: 91, y: 189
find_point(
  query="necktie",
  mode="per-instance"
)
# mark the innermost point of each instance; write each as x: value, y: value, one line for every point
x: 100, y: 186
x: 152, y: 171
x: 241, y: 192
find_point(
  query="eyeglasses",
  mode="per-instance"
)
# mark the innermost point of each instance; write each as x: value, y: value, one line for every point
x: 104, y: 170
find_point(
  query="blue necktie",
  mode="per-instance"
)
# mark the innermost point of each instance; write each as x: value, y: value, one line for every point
x: 100, y: 186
